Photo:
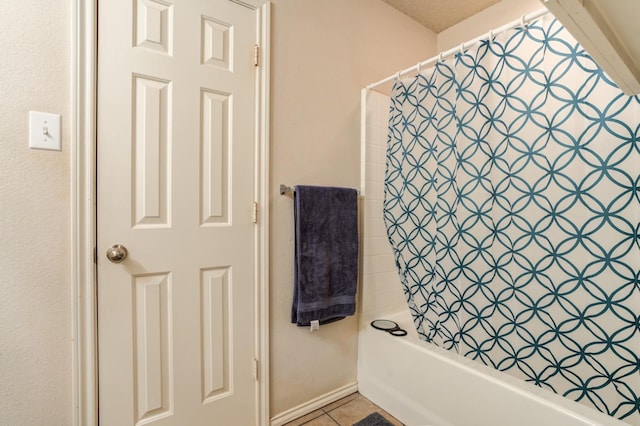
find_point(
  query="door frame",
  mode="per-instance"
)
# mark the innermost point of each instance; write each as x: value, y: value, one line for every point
x: 84, y: 332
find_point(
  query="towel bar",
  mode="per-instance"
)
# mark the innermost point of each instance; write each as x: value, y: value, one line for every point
x: 286, y: 188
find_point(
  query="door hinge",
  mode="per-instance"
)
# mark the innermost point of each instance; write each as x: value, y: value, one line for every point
x: 254, y: 213
x: 256, y: 55
x: 256, y: 370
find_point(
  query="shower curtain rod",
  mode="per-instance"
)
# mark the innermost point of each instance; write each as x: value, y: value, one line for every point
x: 440, y: 57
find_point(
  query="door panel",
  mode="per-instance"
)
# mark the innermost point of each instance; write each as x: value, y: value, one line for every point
x: 176, y: 103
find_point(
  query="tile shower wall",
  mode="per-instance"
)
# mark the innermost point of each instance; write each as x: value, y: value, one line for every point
x: 382, y: 292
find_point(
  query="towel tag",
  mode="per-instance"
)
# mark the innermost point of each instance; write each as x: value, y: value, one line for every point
x: 315, y: 325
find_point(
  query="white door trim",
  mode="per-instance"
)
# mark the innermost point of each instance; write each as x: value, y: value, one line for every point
x: 83, y: 211
x: 262, y: 193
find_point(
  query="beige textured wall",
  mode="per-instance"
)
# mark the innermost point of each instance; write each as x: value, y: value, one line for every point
x: 481, y: 23
x: 35, y: 288
x: 323, y: 53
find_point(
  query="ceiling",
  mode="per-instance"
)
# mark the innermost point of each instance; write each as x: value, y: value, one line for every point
x: 438, y: 15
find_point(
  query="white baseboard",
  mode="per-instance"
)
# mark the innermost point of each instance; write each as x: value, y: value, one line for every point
x: 313, y: 404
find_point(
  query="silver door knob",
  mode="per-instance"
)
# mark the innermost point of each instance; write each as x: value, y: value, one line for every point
x: 117, y: 253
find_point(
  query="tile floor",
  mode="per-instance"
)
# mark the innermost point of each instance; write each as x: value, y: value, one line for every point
x: 344, y: 412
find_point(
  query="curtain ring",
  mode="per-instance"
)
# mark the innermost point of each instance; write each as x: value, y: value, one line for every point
x: 398, y: 76
x: 462, y: 48
x: 419, y: 67
x: 522, y: 23
x: 490, y: 36
x: 441, y: 57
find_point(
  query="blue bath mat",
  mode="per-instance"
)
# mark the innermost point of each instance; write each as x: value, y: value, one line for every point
x: 374, y: 419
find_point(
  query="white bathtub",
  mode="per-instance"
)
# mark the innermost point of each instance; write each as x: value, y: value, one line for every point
x: 421, y: 384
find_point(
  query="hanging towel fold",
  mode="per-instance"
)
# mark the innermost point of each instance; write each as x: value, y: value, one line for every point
x: 326, y: 254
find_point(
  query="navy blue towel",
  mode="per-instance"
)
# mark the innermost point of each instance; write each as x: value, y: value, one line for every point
x: 326, y: 254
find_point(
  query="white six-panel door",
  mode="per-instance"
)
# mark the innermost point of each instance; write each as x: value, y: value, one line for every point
x: 176, y: 188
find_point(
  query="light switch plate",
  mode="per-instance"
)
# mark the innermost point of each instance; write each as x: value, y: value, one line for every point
x: 44, y: 131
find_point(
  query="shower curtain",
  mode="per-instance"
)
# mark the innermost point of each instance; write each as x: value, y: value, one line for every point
x: 512, y: 205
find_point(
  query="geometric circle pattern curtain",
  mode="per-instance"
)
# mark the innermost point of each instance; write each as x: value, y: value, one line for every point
x: 512, y: 205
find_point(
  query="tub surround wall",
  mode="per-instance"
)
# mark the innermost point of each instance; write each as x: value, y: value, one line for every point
x: 382, y: 293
